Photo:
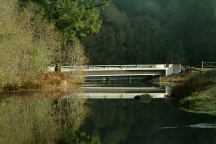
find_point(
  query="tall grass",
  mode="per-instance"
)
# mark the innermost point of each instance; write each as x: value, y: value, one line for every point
x: 27, y: 43
x: 75, y: 56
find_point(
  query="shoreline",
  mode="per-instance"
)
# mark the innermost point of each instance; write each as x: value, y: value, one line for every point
x: 196, y: 93
x: 47, y: 82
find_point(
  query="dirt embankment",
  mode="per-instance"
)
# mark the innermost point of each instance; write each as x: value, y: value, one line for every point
x: 47, y: 82
x: 179, y: 78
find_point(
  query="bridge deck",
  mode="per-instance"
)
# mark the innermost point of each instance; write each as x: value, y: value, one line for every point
x: 123, y: 70
x: 124, y: 73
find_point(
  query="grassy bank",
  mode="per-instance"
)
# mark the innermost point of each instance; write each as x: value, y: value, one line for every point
x: 49, y: 81
x: 198, y: 93
x: 201, y: 102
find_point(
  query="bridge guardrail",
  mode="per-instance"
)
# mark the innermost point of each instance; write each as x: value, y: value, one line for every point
x: 168, y: 68
x: 114, y: 66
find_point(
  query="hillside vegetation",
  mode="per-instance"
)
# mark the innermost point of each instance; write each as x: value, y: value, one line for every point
x: 155, y: 31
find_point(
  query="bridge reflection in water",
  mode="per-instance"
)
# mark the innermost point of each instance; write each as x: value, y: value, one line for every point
x: 124, y: 92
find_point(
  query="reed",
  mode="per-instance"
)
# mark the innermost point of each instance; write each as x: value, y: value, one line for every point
x: 27, y: 44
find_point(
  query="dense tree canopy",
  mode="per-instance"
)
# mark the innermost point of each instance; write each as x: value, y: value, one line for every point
x: 74, y: 18
x: 155, y: 31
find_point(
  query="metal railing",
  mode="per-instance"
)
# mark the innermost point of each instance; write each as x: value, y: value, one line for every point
x: 121, y: 66
x: 115, y: 66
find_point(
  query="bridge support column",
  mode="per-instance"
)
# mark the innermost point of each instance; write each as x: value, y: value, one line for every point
x: 108, y: 80
x: 130, y: 80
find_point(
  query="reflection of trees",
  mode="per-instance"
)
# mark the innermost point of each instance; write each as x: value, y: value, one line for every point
x: 71, y: 136
x: 129, y: 122
x: 38, y: 119
x: 27, y: 121
x: 74, y: 112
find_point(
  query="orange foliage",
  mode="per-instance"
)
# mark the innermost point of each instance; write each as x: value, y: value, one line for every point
x: 56, y: 80
x: 48, y: 81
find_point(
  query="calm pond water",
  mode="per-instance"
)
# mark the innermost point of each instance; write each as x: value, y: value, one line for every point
x: 156, y: 122
x: 109, y: 115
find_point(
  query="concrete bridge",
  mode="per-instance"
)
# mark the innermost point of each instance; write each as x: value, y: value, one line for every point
x: 124, y: 70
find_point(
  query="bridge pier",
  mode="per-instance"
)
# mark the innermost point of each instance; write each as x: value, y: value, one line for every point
x: 130, y: 80
x: 108, y: 80
x: 156, y: 78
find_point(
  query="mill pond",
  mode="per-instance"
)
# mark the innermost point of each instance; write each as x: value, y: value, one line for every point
x: 100, y: 113
x: 49, y: 47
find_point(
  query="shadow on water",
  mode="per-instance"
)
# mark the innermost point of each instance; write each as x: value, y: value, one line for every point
x: 123, y: 81
x: 136, y: 121
x: 157, y: 122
